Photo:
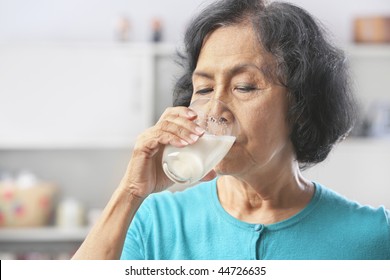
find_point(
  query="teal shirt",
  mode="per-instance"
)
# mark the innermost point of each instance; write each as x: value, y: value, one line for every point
x: 193, y: 225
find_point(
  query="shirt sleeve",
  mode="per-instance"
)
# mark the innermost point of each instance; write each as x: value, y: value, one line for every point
x: 387, y: 214
x: 134, y: 246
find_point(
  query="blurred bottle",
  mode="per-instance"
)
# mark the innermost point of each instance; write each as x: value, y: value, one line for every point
x: 122, y: 29
x: 157, y: 30
x: 70, y: 213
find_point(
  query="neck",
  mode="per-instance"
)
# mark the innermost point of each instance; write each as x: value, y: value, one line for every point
x: 267, y: 199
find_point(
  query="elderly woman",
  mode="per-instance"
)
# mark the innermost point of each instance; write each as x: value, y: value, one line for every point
x: 288, y: 87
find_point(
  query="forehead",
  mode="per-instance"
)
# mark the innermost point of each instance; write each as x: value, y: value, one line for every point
x: 232, y: 44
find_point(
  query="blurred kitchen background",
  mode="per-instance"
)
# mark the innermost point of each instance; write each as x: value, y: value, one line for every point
x: 80, y: 79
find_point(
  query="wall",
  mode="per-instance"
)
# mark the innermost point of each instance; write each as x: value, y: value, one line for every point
x: 358, y: 169
x: 95, y: 20
x: 91, y: 20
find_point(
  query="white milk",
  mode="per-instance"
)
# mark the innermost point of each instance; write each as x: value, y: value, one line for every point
x: 191, y: 163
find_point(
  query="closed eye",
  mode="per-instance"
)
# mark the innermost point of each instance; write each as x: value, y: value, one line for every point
x: 245, y: 89
x: 204, y: 91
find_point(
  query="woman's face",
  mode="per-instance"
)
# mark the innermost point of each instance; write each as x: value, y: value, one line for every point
x: 229, y: 69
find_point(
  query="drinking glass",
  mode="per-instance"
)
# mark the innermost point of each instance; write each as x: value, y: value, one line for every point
x: 189, y: 164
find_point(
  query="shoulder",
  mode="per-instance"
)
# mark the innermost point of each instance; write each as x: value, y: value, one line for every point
x: 363, y: 226
x: 338, y: 209
x: 339, y: 202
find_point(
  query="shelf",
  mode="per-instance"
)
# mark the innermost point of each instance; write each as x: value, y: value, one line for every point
x: 373, y: 147
x: 369, y: 141
x: 45, y: 234
x: 368, y: 50
x: 158, y: 49
x: 40, y: 243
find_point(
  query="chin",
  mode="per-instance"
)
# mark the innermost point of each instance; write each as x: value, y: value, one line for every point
x: 232, y: 163
x: 227, y: 167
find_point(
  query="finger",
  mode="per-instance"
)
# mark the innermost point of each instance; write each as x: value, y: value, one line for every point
x: 185, y: 130
x: 175, y: 127
x: 179, y: 111
x: 154, y: 138
x: 178, y: 122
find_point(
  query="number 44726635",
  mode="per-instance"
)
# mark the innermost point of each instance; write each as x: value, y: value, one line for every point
x: 237, y: 270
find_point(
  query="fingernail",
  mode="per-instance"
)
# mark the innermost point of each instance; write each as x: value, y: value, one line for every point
x: 199, y: 130
x: 185, y: 143
x: 194, y: 137
x: 191, y: 114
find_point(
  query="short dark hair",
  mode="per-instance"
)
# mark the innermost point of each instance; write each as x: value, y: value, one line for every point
x: 314, y: 72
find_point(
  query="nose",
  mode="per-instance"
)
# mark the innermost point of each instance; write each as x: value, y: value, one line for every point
x: 219, y: 112
x: 218, y: 116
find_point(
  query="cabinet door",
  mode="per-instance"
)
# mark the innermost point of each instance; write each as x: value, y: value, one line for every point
x: 74, y: 95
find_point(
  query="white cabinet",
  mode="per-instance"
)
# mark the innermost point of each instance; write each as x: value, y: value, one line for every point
x: 75, y: 95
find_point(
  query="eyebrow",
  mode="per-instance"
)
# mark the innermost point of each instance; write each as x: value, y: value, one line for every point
x: 232, y: 72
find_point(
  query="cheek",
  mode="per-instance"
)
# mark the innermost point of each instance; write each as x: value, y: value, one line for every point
x: 268, y: 126
x: 256, y: 125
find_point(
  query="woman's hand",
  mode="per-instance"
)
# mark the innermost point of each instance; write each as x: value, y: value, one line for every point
x: 144, y: 173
